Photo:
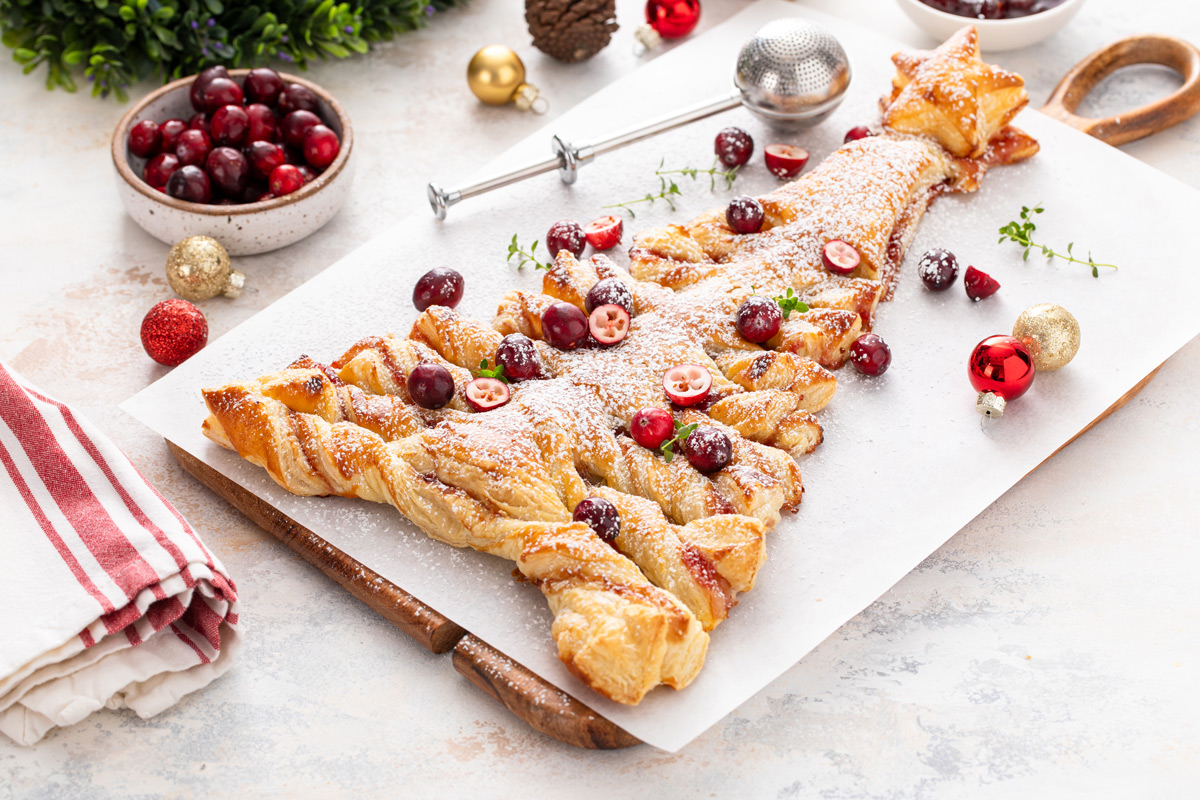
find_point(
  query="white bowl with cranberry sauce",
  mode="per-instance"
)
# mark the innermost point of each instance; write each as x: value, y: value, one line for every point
x: 243, y: 228
x: 1033, y: 20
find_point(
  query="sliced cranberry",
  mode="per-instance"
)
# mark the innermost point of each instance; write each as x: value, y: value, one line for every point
x: 564, y: 326
x: 321, y: 146
x: 518, y: 356
x: 228, y: 171
x: 708, y: 449
x: 609, y: 324
x: 759, y: 318
x: 854, y: 134
x: 484, y: 394
x: 839, y: 257
x: 230, y: 126
x: 189, y: 183
x: 295, y: 97
x: 744, y: 215
x: 652, y: 426
x: 785, y: 160
x: 566, y: 234
x: 441, y: 286
x: 145, y: 139
x: 262, y: 85
x: 979, y: 284
x: 170, y: 134
x: 202, y: 80
x: 263, y: 158
x: 263, y: 123
x: 870, y: 354
x: 609, y: 291
x: 219, y: 92
x: 600, y: 515
x: 733, y: 147
x: 285, y: 179
x: 604, y: 233
x: 193, y: 147
x: 159, y: 169
x: 430, y: 385
x: 295, y: 125
x: 687, y: 384
x: 938, y: 268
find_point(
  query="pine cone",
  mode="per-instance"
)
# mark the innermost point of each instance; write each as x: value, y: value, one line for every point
x: 571, y: 30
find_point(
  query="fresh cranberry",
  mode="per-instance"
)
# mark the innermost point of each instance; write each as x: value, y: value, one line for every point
x: 870, y: 354
x: 295, y: 97
x: 839, y: 257
x: 759, y: 318
x: 308, y: 172
x: 564, y: 326
x: 263, y: 124
x: 262, y: 85
x: 159, y: 169
x: 979, y: 284
x: 566, y: 234
x: 708, y: 449
x: 484, y: 394
x: 744, y: 215
x: 600, y: 515
x: 202, y: 80
x: 733, y: 147
x: 255, y: 191
x: 854, y: 134
x: 430, y: 385
x: 227, y: 170
x: 321, y: 146
x: 991, y: 9
x: 295, y: 125
x: 170, y: 134
x: 285, y: 179
x: 219, y: 92
x: 604, y: 233
x: 263, y: 158
x: 785, y: 160
x: 230, y: 126
x: 193, y: 147
x: 293, y: 155
x: 609, y: 291
x: 145, y: 139
x: 199, y: 122
x: 652, y: 426
x: 518, y: 356
x: 609, y: 324
x: 189, y: 183
x: 938, y: 269
x: 441, y: 286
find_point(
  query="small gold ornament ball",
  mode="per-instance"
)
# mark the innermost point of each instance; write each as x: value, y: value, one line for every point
x: 1051, y: 333
x: 198, y: 268
x: 495, y: 73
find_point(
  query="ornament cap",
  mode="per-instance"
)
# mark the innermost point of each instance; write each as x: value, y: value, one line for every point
x: 645, y: 39
x: 990, y: 404
x: 528, y: 97
x: 235, y: 284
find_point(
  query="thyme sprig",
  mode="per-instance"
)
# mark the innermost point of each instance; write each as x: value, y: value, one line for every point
x: 1022, y: 233
x: 713, y: 172
x: 668, y: 188
x: 526, y: 257
x: 682, y: 432
x: 496, y: 372
x: 790, y: 302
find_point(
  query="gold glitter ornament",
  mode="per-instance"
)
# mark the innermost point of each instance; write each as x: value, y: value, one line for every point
x: 1050, y: 333
x: 497, y: 76
x: 198, y: 268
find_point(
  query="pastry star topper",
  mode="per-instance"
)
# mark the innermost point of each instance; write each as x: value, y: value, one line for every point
x: 953, y: 95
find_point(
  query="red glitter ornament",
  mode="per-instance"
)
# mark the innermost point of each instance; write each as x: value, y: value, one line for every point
x: 673, y: 19
x: 1000, y: 369
x: 174, y: 331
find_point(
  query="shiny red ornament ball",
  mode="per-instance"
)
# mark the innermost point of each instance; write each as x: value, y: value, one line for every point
x: 1001, y: 365
x: 673, y: 18
x: 174, y: 331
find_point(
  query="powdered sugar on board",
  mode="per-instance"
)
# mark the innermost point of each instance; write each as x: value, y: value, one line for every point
x: 904, y: 464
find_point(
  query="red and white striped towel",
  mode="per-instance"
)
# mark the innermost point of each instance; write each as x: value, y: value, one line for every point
x: 107, y: 595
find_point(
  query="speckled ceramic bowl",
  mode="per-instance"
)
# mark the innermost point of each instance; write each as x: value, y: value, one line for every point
x: 995, y: 35
x: 244, y: 229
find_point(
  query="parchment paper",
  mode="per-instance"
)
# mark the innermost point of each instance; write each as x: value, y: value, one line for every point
x: 905, y: 463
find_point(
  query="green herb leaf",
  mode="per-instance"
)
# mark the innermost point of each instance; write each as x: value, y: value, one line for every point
x: 496, y: 372
x: 789, y: 302
x: 682, y: 432
x: 1022, y: 234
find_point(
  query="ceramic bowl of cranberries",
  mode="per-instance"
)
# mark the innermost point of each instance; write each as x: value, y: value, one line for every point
x: 1003, y: 24
x: 254, y: 158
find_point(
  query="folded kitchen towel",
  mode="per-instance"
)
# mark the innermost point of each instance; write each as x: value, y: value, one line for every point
x: 107, y: 595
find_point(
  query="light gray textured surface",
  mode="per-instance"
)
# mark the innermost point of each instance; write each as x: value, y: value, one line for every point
x: 1049, y: 648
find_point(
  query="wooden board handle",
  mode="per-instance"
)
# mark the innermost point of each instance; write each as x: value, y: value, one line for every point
x: 1168, y: 51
